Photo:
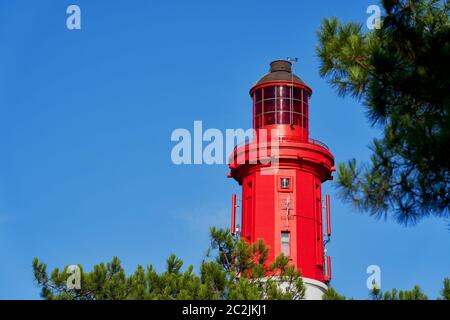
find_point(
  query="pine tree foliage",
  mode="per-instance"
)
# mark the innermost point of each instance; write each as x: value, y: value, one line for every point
x: 232, y: 269
x: 445, y: 292
x: 332, y: 294
x: 400, y: 73
x: 414, y: 294
x: 377, y: 294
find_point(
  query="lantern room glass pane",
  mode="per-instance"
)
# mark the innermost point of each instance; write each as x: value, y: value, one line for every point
x: 269, y: 118
x: 305, y: 97
x: 283, y: 91
x: 297, y: 93
x: 258, y: 121
x: 258, y: 108
x: 258, y: 95
x: 269, y: 105
x: 283, y: 117
x: 269, y: 93
x: 297, y: 119
x: 280, y: 104
x: 283, y: 104
x: 296, y: 106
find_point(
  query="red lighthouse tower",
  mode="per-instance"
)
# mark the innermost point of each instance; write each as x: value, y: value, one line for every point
x: 282, y: 201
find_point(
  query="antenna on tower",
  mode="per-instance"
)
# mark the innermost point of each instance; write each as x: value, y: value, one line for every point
x: 292, y: 60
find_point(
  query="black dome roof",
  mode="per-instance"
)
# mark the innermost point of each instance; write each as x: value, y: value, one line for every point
x: 280, y: 70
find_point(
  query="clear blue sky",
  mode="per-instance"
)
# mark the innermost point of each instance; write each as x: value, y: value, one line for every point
x: 85, y: 124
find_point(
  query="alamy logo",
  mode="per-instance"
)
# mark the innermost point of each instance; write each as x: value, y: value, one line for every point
x: 74, y: 279
x: 73, y: 21
x: 374, y: 20
x: 374, y: 280
x: 212, y: 146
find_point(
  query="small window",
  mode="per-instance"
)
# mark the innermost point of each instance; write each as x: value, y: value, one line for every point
x: 285, y: 183
x: 286, y: 243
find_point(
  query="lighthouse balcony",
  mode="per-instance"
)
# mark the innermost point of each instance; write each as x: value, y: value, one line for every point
x: 287, y: 139
x: 309, y: 154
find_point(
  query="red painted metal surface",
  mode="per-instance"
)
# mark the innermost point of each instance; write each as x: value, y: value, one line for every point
x: 327, y: 206
x: 327, y: 277
x: 282, y: 203
x: 233, y: 214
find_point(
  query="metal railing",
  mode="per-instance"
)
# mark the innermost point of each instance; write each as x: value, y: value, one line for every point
x: 320, y: 143
x: 286, y: 139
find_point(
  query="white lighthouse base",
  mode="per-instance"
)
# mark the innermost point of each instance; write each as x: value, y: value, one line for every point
x: 314, y: 289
